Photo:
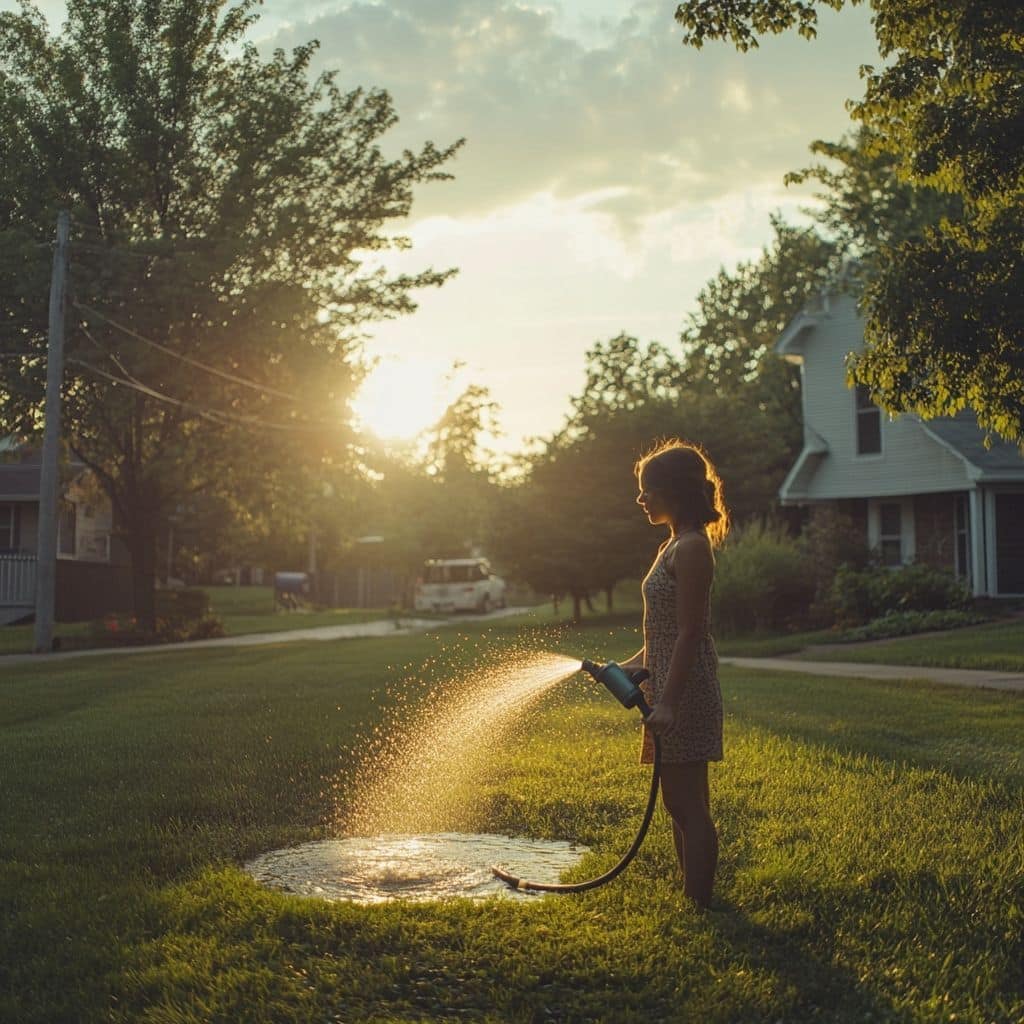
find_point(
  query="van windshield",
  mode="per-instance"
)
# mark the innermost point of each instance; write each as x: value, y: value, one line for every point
x: 453, y: 573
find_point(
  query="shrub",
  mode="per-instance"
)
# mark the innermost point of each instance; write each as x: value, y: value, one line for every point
x: 830, y: 539
x: 762, y: 581
x: 906, y: 623
x: 123, y: 630
x: 171, y: 631
x: 860, y: 595
x: 189, y: 604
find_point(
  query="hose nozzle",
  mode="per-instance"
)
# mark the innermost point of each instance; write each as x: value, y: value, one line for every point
x: 622, y: 686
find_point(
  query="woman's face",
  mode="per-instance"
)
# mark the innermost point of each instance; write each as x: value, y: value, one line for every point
x: 652, y: 502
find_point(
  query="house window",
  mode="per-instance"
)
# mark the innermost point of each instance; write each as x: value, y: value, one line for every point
x: 890, y: 534
x: 869, y: 423
x: 7, y: 516
x: 962, y: 546
x: 66, y: 529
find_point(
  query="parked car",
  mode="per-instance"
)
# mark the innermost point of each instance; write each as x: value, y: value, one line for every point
x: 458, y: 585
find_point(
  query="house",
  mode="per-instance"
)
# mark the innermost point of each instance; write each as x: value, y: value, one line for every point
x: 921, y: 490
x: 93, y: 567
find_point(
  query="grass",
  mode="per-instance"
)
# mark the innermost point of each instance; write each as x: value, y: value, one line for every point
x: 996, y: 646
x: 771, y: 645
x: 872, y: 849
x: 251, y: 610
x: 241, y: 609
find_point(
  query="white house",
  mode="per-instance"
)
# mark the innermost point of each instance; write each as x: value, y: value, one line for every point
x: 925, y: 490
x: 92, y: 575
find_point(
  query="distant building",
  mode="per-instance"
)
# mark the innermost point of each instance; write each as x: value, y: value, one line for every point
x: 924, y: 490
x: 93, y: 567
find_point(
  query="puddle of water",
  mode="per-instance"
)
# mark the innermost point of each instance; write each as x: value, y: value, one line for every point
x: 376, y: 869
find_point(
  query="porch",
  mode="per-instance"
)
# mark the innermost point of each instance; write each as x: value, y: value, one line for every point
x: 85, y: 589
x: 17, y: 587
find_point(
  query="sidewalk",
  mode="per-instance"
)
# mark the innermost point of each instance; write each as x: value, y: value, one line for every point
x: 865, y: 670
x: 400, y: 626
x: 1009, y: 681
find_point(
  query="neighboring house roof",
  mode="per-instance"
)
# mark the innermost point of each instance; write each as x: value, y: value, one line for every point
x: 789, y: 341
x: 815, y: 449
x: 19, y: 481
x: 962, y: 435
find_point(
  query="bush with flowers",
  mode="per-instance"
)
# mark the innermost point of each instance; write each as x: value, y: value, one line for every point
x: 122, y: 629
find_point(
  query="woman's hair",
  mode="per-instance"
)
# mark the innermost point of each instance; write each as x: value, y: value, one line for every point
x: 684, y: 475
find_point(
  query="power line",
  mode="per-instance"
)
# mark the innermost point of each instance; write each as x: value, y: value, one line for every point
x: 111, y: 356
x: 187, y: 359
x: 205, y: 411
x: 116, y: 250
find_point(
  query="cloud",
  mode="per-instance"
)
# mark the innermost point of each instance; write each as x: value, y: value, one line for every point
x: 628, y: 111
x: 736, y: 96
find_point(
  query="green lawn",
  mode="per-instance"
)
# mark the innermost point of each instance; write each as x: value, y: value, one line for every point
x: 242, y: 610
x: 771, y: 645
x: 251, y: 610
x: 872, y: 848
x: 998, y: 646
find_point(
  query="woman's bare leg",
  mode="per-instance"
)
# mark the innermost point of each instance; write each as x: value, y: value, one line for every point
x: 685, y: 793
x: 677, y: 838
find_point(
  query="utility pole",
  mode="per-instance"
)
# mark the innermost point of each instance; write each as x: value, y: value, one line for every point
x: 49, y: 471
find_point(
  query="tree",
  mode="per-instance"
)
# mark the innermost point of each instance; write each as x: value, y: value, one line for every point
x: 224, y: 205
x: 623, y: 375
x: 867, y: 207
x: 570, y: 525
x: 728, y: 342
x: 435, y: 500
x: 945, y: 310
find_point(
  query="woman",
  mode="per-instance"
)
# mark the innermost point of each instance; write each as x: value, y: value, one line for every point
x: 680, y: 489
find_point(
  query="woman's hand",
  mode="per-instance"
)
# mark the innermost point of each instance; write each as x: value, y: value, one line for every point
x: 662, y: 719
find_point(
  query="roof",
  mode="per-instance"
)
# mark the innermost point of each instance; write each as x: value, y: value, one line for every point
x: 19, y: 481
x: 794, y: 487
x: 962, y: 435
x: 789, y: 342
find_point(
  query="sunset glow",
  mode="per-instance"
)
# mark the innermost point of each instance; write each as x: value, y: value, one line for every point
x: 403, y: 396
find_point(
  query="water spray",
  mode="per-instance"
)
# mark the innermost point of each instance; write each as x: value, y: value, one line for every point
x: 624, y: 687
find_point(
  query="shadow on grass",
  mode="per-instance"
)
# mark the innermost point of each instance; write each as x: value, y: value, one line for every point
x: 796, y: 948
x: 970, y: 733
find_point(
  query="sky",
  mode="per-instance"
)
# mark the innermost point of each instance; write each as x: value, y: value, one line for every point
x: 608, y: 172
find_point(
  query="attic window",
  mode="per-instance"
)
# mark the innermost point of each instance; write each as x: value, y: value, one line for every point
x: 869, y: 423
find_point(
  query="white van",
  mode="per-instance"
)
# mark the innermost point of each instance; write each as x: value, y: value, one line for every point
x: 458, y: 585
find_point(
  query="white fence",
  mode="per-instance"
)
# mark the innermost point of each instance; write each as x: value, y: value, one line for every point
x: 17, y: 581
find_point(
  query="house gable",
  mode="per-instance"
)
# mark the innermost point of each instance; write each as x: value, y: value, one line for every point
x: 910, y: 460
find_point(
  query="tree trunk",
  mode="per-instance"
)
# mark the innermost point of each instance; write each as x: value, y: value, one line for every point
x: 577, y: 610
x: 608, y: 598
x: 141, y: 529
x: 589, y: 603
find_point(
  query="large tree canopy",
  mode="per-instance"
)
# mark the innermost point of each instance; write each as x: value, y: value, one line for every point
x: 226, y: 209
x: 945, y: 309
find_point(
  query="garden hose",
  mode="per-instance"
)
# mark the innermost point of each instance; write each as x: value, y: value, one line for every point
x: 592, y: 883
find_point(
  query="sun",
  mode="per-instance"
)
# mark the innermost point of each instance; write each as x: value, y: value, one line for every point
x: 401, y: 397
